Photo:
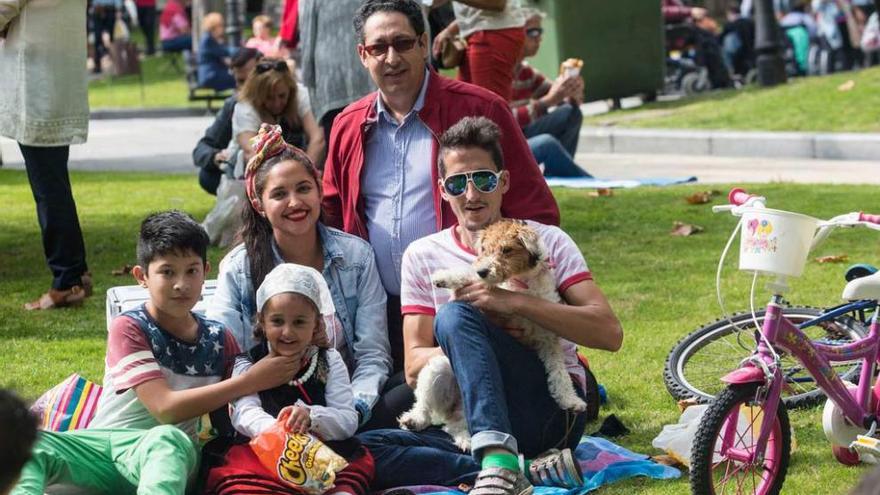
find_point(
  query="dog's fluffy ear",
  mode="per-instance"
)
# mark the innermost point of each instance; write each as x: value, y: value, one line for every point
x: 532, y: 243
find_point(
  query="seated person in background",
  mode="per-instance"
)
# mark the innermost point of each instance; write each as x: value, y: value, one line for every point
x: 262, y: 40
x: 708, y: 49
x: 505, y: 395
x: 210, y: 154
x: 214, y: 56
x: 18, y: 430
x: 534, y: 96
x: 174, y: 28
x: 291, y: 305
x: 272, y: 96
x: 738, y: 40
x: 164, y: 369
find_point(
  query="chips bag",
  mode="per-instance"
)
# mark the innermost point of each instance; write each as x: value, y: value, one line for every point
x: 300, y: 460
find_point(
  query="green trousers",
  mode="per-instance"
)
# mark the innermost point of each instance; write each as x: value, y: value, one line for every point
x: 157, y: 461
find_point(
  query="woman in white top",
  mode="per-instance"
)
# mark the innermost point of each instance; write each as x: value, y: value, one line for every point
x: 271, y: 95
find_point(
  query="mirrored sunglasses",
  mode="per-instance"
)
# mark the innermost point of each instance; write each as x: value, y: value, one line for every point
x: 400, y: 45
x: 485, y: 181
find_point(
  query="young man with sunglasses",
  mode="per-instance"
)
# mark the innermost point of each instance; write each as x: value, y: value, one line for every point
x: 380, y: 178
x: 547, y: 110
x: 505, y: 394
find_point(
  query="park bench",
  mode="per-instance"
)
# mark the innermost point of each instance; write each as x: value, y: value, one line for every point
x: 197, y: 93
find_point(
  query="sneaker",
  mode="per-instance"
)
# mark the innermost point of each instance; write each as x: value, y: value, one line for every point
x: 500, y: 481
x: 556, y: 468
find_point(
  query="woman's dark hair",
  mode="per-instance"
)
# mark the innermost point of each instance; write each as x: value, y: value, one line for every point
x: 256, y: 231
x: 409, y: 8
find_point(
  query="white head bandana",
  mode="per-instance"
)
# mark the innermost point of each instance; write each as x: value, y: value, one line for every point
x: 297, y: 279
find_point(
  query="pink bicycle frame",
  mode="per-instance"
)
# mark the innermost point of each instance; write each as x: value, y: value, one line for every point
x: 816, y: 358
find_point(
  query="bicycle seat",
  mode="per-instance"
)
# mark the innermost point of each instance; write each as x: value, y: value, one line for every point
x: 863, y: 288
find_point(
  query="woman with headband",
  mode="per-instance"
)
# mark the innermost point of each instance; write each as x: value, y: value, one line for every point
x: 283, y: 225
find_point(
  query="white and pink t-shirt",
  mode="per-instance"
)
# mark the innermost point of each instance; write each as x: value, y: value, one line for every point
x: 138, y: 350
x: 444, y: 250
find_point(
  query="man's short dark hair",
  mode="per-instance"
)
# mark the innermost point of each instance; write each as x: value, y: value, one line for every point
x: 243, y: 56
x: 18, y: 431
x: 472, y: 132
x: 409, y: 8
x: 170, y: 232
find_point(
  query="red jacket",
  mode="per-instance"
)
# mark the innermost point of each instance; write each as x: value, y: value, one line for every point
x: 446, y: 102
x: 675, y: 11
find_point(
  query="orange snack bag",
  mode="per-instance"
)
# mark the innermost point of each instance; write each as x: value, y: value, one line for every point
x: 301, y: 461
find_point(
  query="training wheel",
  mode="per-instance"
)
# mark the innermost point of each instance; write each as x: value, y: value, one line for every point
x: 845, y: 456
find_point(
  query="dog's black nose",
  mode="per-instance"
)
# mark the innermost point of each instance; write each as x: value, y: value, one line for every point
x: 483, y: 273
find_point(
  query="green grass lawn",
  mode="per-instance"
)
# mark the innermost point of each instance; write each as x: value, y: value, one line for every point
x: 804, y: 104
x: 162, y: 87
x: 660, y: 286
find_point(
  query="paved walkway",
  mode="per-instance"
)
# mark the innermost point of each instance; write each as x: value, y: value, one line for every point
x: 165, y: 145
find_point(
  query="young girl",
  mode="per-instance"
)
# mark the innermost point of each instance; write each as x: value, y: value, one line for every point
x: 262, y: 40
x: 282, y: 226
x: 292, y: 303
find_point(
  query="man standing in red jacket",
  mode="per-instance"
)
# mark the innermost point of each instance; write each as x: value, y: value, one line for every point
x: 380, y: 177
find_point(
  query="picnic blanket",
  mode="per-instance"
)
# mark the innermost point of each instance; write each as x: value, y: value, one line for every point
x: 602, y: 463
x: 596, y: 183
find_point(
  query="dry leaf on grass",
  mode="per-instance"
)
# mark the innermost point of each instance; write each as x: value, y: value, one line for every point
x: 847, y: 86
x: 601, y: 192
x: 684, y: 229
x: 686, y: 403
x: 125, y: 270
x: 702, y: 197
x: 837, y: 258
x: 668, y: 460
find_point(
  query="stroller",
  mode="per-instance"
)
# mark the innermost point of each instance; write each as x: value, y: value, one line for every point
x: 694, y: 63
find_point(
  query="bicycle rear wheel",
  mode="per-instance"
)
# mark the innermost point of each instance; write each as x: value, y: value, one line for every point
x: 696, y: 363
x: 728, y: 432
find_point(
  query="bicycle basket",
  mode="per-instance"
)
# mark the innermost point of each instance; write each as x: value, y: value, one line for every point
x: 775, y: 242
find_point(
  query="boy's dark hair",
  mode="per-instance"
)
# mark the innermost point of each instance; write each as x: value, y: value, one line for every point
x: 243, y: 56
x: 170, y: 232
x: 18, y: 431
x: 409, y: 8
x: 472, y: 132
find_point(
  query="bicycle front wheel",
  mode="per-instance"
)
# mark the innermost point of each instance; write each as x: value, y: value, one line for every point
x: 698, y: 361
x: 728, y: 433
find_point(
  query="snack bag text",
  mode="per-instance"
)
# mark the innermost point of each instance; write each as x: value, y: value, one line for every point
x: 302, y: 461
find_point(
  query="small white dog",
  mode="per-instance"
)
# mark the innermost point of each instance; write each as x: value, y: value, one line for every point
x: 511, y: 256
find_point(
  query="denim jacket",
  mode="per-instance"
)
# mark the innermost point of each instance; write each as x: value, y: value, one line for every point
x: 350, y: 272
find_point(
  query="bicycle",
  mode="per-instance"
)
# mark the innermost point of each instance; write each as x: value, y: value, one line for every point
x: 738, y: 447
x: 695, y: 362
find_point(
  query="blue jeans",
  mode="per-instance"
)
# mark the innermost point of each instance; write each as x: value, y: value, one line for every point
x: 557, y: 162
x: 563, y: 123
x: 506, y: 403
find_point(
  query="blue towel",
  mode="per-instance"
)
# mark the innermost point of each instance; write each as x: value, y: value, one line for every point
x: 595, y: 183
x: 602, y: 462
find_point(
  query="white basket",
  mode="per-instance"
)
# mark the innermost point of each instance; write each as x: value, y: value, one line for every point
x: 775, y: 242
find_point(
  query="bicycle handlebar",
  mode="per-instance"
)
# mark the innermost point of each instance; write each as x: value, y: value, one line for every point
x: 865, y: 217
x: 738, y: 196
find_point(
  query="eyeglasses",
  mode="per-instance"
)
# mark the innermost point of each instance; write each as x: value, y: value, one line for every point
x: 485, y: 181
x: 400, y: 45
x: 534, y: 32
x: 279, y: 65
